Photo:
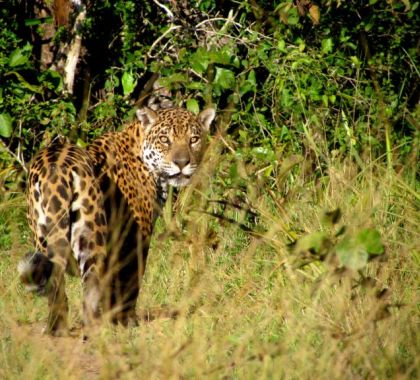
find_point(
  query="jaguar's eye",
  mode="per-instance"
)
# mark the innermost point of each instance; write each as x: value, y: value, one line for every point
x: 164, y: 139
x: 194, y: 139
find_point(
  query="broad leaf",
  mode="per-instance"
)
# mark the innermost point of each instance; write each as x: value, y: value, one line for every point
x: 175, y: 78
x: 312, y: 242
x: 199, y: 61
x: 327, y: 45
x: 192, y: 106
x: 128, y: 82
x: 314, y: 13
x: 224, y: 78
x: 20, y: 56
x: 5, y: 125
x: 370, y: 239
x: 53, y: 78
x: 293, y: 16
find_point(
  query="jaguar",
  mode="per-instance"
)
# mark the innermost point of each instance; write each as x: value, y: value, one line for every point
x: 92, y: 211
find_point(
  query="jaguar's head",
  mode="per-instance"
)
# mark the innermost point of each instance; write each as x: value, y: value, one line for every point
x: 174, y: 141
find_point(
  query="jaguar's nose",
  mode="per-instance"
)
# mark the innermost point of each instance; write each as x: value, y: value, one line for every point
x: 181, y: 161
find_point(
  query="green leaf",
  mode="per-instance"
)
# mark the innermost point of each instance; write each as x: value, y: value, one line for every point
x: 327, y: 45
x: 16, y: 58
x: 251, y: 78
x: 53, y: 78
x: 128, y: 82
x: 81, y: 143
x: 199, y: 61
x: 355, y: 61
x: 221, y: 56
x: 192, y: 106
x: 20, y: 56
x: 233, y: 171
x: 175, y: 78
x: 224, y: 78
x: 5, y: 125
x: 352, y: 255
x: 312, y: 242
x: 245, y: 88
x: 195, y: 86
x: 370, y: 239
x: 249, y: 85
x: 281, y: 45
x: 301, y: 48
x: 38, y: 21
x: 293, y: 16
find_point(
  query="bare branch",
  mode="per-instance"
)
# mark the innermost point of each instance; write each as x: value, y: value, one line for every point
x: 171, y: 28
x: 15, y: 156
x: 227, y: 21
x: 167, y: 11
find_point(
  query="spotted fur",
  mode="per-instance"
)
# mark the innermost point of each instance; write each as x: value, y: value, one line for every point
x: 92, y: 210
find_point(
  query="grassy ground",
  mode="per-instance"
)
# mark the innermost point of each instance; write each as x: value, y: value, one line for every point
x: 246, y: 308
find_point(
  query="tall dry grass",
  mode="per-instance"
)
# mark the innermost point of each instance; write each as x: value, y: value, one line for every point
x: 246, y: 309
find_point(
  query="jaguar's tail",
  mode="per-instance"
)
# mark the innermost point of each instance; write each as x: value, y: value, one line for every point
x: 35, y: 270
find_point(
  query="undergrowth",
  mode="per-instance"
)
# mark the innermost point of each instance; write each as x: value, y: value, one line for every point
x: 248, y: 303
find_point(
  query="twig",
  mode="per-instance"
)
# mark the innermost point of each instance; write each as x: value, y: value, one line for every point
x: 200, y: 76
x: 15, y: 156
x: 226, y: 143
x: 20, y: 153
x: 236, y: 206
x: 227, y: 20
x: 168, y: 11
x: 171, y: 28
x: 263, y: 169
x: 242, y: 226
x: 413, y: 65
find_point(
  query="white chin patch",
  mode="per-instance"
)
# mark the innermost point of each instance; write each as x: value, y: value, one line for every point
x: 179, y: 181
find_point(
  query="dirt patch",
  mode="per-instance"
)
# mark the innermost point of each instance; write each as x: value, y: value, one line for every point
x: 71, y: 353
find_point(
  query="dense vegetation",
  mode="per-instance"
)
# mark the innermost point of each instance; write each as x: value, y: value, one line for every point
x: 295, y: 255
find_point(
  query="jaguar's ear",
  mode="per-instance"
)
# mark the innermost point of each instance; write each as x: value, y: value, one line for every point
x: 206, y: 117
x: 146, y: 117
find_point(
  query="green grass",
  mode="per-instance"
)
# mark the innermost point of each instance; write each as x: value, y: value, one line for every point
x: 246, y: 308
